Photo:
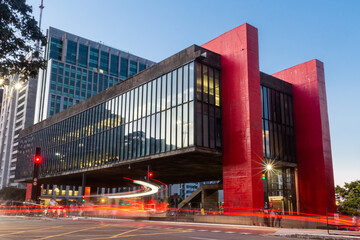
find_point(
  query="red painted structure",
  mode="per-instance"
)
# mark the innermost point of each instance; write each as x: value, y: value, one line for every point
x: 242, y: 128
x: 313, y: 149
x: 241, y: 117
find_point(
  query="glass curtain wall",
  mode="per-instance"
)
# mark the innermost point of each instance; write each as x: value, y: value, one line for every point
x: 153, y: 118
x: 80, y: 76
x: 278, y: 146
x: 208, y: 107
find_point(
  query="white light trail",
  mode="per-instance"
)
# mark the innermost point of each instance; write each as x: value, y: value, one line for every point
x: 153, y: 189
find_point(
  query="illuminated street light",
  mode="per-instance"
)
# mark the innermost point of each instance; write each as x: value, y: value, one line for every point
x: 268, y: 167
x: 18, y: 85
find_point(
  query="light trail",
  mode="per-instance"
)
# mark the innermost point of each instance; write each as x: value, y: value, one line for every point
x: 153, y: 189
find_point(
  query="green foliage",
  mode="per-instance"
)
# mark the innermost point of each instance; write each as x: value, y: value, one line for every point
x: 19, y: 33
x: 350, y: 194
x: 12, y: 194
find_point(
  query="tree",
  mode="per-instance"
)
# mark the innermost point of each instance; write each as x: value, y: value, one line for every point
x: 19, y: 34
x: 350, y: 194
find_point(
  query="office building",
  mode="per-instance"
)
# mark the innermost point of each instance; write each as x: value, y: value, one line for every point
x: 79, y: 68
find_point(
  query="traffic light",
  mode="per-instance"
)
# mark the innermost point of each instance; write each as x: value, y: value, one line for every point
x: 151, y: 174
x: 83, y: 199
x: 37, y: 158
x: 263, y: 176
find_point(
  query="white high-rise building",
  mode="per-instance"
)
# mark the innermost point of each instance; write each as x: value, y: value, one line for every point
x: 17, y: 113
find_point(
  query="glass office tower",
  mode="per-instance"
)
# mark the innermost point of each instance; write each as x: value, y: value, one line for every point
x: 78, y: 69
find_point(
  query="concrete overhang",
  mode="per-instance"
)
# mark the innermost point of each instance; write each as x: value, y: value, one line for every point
x: 193, y: 164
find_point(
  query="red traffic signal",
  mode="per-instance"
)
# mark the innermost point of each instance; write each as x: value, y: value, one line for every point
x: 151, y: 174
x: 37, y: 159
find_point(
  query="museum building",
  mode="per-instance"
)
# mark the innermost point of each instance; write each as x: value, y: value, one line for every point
x: 206, y: 113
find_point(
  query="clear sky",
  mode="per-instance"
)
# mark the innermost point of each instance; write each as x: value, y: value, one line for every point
x: 290, y: 32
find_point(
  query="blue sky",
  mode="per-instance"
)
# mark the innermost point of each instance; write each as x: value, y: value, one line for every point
x: 290, y: 32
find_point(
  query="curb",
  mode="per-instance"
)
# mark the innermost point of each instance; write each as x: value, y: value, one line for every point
x: 312, y: 236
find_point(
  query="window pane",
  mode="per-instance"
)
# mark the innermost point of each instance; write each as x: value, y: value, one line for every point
x: 153, y: 101
x: 153, y: 137
x: 186, y: 83
x: 93, y: 61
x: 131, y: 109
x: 163, y: 92
x: 168, y: 92
x: 136, y: 104
x: 158, y: 95
x: 83, y: 54
x: 162, y: 126
x: 198, y: 82
x: 179, y: 127
x: 148, y: 111
x: 123, y: 68
x: 179, y: 86
x: 191, y: 123
x: 114, y: 64
x: 191, y: 81
x: 140, y: 102
x: 144, y: 100
x: 211, y: 86
x: 174, y: 92
x: 185, y: 129
x: 168, y: 130
x: 157, y: 134
x: 173, y: 128
x: 147, y: 136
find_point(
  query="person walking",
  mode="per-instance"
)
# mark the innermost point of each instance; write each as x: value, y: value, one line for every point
x: 278, y: 218
x: 272, y: 218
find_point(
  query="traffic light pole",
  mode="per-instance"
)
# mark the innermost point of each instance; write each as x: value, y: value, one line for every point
x: 35, y: 191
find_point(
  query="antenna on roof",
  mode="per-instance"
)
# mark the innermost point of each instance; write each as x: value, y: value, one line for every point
x: 41, y: 10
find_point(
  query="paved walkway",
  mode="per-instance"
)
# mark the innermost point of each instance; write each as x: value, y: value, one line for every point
x: 317, y: 234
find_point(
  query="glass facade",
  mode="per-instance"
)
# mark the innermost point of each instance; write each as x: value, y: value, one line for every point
x: 208, y: 111
x: 278, y: 146
x: 155, y: 117
x: 86, y: 72
x: 278, y: 125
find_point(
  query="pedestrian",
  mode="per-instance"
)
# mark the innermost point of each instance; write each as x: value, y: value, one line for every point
x: 272, y: 217
x: 354, y: 220
x: 278, y: 217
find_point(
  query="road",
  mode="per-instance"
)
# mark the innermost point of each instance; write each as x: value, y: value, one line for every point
x: 55, y: 229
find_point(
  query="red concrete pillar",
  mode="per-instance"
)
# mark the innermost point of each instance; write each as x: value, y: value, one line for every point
x: 312, y: 136
x: 241, y: 117
x: 28, y: 191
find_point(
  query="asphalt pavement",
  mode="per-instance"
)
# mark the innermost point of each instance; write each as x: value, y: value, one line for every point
x: 98, y: 228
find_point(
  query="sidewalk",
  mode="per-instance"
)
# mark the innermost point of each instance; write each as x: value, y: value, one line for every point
x: 317, y: 234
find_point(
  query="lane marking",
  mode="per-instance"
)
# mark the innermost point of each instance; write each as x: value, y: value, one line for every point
x: 63, y: 234
x: 203, y: 238
x: 229, y: 232
x: 215, y: 231
x: 133, y: 230
x: 38, y: 229
x: 152, y: 234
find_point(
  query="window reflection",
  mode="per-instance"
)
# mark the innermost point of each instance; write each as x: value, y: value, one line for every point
x: 155, y: 117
